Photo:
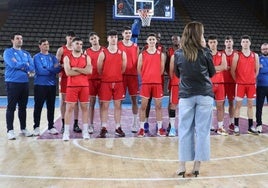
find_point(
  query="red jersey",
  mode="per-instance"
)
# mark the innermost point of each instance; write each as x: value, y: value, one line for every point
x: 159, y: 47
x: 151, y: 67
x: 79, y: 80
x: 132, y: 57
x: 227, y: 73
x: 245, y: 72
x: 112, y: 66
x: 170, y: 52
x: 174, y: 80
x: 218, y: 77
x: 94, y: 60
x: 66, y: 51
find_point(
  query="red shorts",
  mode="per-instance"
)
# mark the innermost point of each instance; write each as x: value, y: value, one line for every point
x: 132, y: 84
x: 229, y: 89
x: 219, y: 93
x: 75, y: 94
x: 248, y: 90
x: 63, y: 84
x: 151, y: 90
x: 111, y: 91
x: 94, y: 87
x: 174, y: 94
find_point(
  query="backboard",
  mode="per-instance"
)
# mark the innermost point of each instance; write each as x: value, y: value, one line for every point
x: 128, y: 9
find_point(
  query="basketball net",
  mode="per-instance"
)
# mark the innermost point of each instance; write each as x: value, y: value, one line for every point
x: 145, y: 17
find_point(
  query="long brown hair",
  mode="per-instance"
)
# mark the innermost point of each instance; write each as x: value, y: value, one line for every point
x: 191, y: 40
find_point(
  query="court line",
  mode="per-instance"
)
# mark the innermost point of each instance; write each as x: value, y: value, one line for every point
x: 75, y: 142
x: 131, y: 179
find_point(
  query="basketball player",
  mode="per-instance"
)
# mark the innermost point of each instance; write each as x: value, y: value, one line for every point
x: 162, y: 49
x: 173, y: 85
x: 94, y: 79
x: 111, y: 66
x: 219, y: 61
x: 244, y: 69
x: 77, y: 66
x: 229, y: 83
x: 130, y: 76
x: 151, y: 64
x: 61, y: 53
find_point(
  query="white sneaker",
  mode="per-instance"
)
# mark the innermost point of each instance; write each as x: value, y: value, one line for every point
x: 85, y: 134
x: 222, y: 131
x: 134, y: 128
x: 36, y: 131
x: 11, y: 135
x: 172, y: 132
x: 236, y: 130
x: 259, y: 128
x: 90, y: 129
x: 26, y: 133
x: 65, y: 136
x: 53, y: 131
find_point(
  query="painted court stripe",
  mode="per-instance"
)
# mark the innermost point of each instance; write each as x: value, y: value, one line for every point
x: 130, y: 179
x: 75, y: 142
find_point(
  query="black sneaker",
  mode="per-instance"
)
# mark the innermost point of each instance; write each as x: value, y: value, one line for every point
x: 119, y: 132
x: 77, y: 129
x: 253, y: 131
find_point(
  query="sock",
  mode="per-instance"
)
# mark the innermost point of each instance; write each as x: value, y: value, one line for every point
x: 85, y: 127
x: 232, y: 120
x: 172, y: 122
x: 220, y: 124
x: 236, y: 121
x: 103, y: 124
x: 62, y: 121
x: 135, y: 119
x: 159, y: 124
x: 142, y: 124
x: 172, y: 115
x: 76, y: 122
x: 117, y: 125
x: 250, y: 123
x: 66, y: 129
x: 146, y: 119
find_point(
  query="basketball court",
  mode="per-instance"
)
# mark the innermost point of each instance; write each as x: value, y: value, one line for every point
x: 236, y: 161
x: 152, y: 161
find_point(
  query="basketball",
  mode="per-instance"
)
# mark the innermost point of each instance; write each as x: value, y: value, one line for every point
x: 120, y: 5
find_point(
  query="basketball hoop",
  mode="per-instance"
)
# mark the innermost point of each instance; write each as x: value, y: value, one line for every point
x: 145, y: 17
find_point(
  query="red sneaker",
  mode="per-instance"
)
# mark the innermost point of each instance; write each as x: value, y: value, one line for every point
x: 103, y: 132
x: 161, y: 132
x: 141, y: 133
x: 231, y: 127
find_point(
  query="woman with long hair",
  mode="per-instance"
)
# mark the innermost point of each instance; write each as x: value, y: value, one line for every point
x: 194, y: 67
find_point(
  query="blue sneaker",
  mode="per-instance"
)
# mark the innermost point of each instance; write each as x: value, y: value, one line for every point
x: 172, y: 132
x: 146, y: 127
x: 168, y: 129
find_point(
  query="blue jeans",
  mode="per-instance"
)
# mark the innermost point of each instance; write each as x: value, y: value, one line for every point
x: 195, y: 119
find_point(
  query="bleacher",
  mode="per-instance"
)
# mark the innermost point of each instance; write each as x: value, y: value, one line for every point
x: 228, y: 17
x: 51, y: 21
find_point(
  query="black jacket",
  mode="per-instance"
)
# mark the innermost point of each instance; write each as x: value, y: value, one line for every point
x: 194, y: 76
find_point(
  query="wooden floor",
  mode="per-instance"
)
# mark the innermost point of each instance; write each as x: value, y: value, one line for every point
x: 236, y: 161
